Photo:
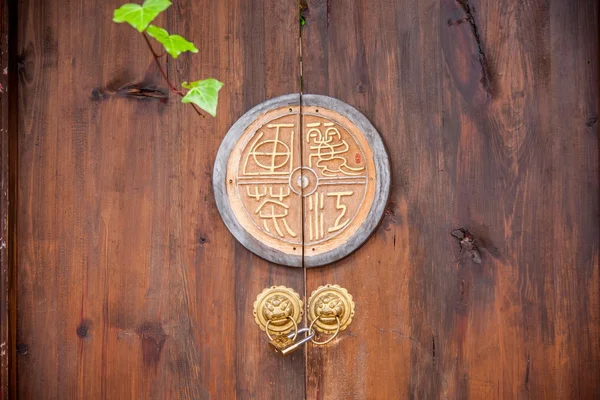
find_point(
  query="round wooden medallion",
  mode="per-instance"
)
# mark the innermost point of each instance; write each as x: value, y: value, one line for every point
x: 302, y: 184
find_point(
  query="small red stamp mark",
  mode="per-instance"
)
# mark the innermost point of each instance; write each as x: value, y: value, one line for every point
x: 357, y: 158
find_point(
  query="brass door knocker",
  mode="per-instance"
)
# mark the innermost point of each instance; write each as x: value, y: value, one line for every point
x: 330, y: 310
x: 278, y: 310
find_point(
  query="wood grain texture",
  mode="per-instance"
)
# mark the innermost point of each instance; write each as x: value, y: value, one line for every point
x: 488, y: 109
x: 4, y: 264
x: 7, y: 134
x: 130, y: 285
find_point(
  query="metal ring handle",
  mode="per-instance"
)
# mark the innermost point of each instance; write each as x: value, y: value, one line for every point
x: 310, y: 329
x: 293, y: 322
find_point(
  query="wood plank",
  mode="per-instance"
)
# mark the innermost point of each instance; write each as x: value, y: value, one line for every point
x: 7, y: 139
x: 489, y: 113
x: 130, y: 286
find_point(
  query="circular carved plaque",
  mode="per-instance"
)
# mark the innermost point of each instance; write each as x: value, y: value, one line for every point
x: 303, y: 183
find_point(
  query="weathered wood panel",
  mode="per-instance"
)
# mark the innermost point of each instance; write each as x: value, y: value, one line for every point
x: 130, y: 286
x: 7, y: 158
x: 4, y: 264
x: 489, y: 112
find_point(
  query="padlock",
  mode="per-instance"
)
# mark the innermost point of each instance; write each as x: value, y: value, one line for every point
x: 286, y: 345
x: 280, y: 342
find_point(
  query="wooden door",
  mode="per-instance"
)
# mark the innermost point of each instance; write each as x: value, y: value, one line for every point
x: 129, y: 286
x: 489, y: 113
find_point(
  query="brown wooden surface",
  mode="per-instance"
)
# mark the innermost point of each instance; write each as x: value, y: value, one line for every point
x: 8, y: 160
x: 489, y: 112
x: 4, y: 265
x: 130, y: 286
x: 7, y: 131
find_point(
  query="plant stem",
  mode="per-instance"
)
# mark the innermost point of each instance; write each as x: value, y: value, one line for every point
x: 164, y: 74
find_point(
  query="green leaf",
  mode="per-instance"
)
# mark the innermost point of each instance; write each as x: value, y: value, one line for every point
x: 140, y: 16
x: 174, y: 44
x: 205, y: 94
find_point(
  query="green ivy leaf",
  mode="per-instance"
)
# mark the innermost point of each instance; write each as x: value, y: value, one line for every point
x: 205, y: 94
x: 140, y: 16
x: 174, y: 44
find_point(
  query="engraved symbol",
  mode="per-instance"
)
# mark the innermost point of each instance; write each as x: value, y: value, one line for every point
x: 279, y: 196
x: 315, y: 229
x: 276, y: 212
x: 273, y: 209
x: 256, y: 195
x: 338, y: 224
x: 328, y: 149
x: 270, y: 155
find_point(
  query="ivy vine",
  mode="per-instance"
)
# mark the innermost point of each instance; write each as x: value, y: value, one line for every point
x: 202, y: 94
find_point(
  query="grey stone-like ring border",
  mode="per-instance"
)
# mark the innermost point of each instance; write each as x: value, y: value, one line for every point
x: 382, y: 189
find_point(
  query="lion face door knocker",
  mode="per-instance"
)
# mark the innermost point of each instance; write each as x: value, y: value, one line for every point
x: 305, y: 181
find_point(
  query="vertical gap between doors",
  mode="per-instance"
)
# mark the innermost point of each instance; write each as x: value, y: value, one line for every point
x: 301, y: 136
